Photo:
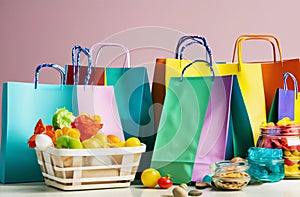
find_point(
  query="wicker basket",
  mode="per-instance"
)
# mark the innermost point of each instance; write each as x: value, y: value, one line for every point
x: 78, y: 169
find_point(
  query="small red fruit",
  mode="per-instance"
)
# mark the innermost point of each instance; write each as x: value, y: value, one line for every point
x: 165, y: 182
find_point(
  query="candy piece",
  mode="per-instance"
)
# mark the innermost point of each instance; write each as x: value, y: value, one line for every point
x: 62, y: 118
x: 195, y: 192
x: 295, y: 153
x: 284, y: 121
x: 287, y: 153
x: 288, y: 162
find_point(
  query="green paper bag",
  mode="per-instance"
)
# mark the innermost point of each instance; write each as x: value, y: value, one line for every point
x: 204, y: 119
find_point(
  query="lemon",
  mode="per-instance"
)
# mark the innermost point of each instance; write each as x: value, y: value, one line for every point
x: 133, y: 141
x: 150, y: 177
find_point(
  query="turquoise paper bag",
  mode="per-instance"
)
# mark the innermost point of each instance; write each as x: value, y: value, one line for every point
x: 22, y: 107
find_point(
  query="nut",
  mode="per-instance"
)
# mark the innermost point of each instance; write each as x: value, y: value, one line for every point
x: 184, y: 186
x: 195, y: 192
x: 234, y: 175
x: 179, y: 192
x: 237, y: 159
x: 202, y: 185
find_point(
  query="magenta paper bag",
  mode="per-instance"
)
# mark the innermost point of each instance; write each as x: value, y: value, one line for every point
x: 101, y: 100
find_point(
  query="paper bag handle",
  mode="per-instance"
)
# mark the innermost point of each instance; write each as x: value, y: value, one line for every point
x: 187, y: 66
x: 76, y: 63
x: 102, y: 45
x: 87, y: 52
x: 243, y: 37
x: 60, y: 69
x: 197, y: 39
x: 191, y: 43
x: 285, y: 76
x: 250, y: 38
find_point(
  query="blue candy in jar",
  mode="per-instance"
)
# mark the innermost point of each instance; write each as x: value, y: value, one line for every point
x: 266, y: 164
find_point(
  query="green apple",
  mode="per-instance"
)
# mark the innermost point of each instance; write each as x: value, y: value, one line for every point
x: 65, y: 141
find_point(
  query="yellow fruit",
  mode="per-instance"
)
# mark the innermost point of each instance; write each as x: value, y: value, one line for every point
x: 58, y: 133
x: 150, y: 177
x: 133, y: 141
x: 93, y: 143
x: 73, y: 132
x: 102, y: 137
x: 117, y: 145
x: 113, y: 139
x: 97, y: 118
x: 64, y: 130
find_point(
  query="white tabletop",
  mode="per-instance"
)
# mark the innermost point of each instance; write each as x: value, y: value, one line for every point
x: 287, y: 188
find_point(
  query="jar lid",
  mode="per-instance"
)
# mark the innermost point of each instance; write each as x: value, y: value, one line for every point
x: 229, y: 166
x: 264, y: 154
x: 290, y: 130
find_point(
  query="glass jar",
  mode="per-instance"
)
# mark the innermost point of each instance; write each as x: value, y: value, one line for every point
x: 230, y: 175
x: 286, y: 138
x: 266, y: 164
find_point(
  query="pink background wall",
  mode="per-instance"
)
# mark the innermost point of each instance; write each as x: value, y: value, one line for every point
x: 40, y: 31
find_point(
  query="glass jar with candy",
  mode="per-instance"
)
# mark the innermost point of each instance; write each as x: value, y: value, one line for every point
x: 285, y: 135
x: 266, y: 164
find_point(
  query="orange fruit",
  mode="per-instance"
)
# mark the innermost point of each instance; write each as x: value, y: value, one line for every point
x: 113, y: 139
x: 133, y: 141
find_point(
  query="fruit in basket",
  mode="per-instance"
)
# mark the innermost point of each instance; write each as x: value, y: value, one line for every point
x: 39, y: 129
x: 102, y: 137
x: 94, y: 143
x: 72, y: 132
x: 115, y: 141
x: 132, y: 141
x: 62, y: 118
x: 65, y: 141
x: 150, y: 177
x: 43, y: 141
x: 165, y: 182
x: 87, y: 126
